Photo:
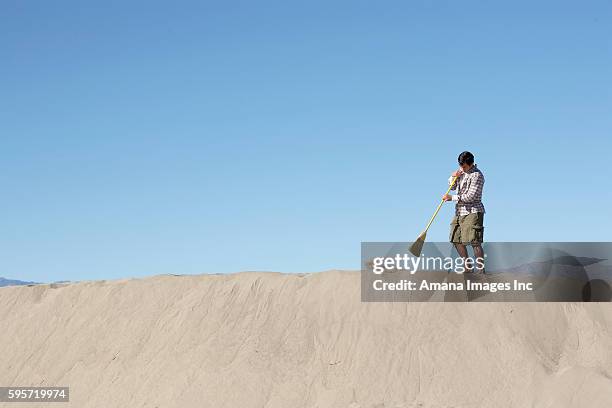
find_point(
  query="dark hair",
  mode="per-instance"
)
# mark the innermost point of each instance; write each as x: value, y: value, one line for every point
x: 466, y: 158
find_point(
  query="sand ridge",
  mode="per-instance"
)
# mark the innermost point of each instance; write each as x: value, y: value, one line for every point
x: 297, y: 340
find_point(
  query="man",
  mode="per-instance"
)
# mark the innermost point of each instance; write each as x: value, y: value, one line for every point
x: 467, y: 224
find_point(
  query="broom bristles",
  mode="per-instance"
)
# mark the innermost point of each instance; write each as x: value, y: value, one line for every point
x: 417, y: 246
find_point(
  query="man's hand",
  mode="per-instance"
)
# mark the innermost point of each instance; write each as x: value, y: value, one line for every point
x: 457, y: 173
x: 447, y: 197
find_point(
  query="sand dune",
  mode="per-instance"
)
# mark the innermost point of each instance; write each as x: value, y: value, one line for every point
x: 276, y: 340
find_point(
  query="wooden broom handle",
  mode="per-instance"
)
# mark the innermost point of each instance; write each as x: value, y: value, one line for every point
x: 441, y: 202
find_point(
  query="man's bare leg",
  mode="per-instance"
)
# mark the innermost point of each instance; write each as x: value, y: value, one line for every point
x: 462, y: 251
x: 478, y: 253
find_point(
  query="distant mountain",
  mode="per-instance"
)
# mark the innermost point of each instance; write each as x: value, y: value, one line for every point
x: 567, y: 266
x: 576, y: 260
x: 14, y: 282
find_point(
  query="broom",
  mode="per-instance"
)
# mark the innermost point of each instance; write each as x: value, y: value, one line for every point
x: 417, y: 246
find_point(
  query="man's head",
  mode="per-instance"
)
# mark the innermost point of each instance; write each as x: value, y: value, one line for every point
x: 466, y: 161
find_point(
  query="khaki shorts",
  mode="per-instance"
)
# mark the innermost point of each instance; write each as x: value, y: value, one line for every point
x: 467, y: 229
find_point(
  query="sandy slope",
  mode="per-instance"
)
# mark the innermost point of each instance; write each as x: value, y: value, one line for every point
x: 274, y: 340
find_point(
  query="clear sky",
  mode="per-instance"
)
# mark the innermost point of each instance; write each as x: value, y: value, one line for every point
x: 141, y: 138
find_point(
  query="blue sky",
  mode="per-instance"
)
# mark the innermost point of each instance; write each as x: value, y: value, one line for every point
x: 142, y: 138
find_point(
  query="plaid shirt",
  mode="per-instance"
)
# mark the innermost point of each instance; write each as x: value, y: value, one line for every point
x: 469, y: 192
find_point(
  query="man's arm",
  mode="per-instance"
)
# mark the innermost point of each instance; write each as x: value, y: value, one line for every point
x: 474, y: 193
x: 453, y: 186
x: 457, y: 174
